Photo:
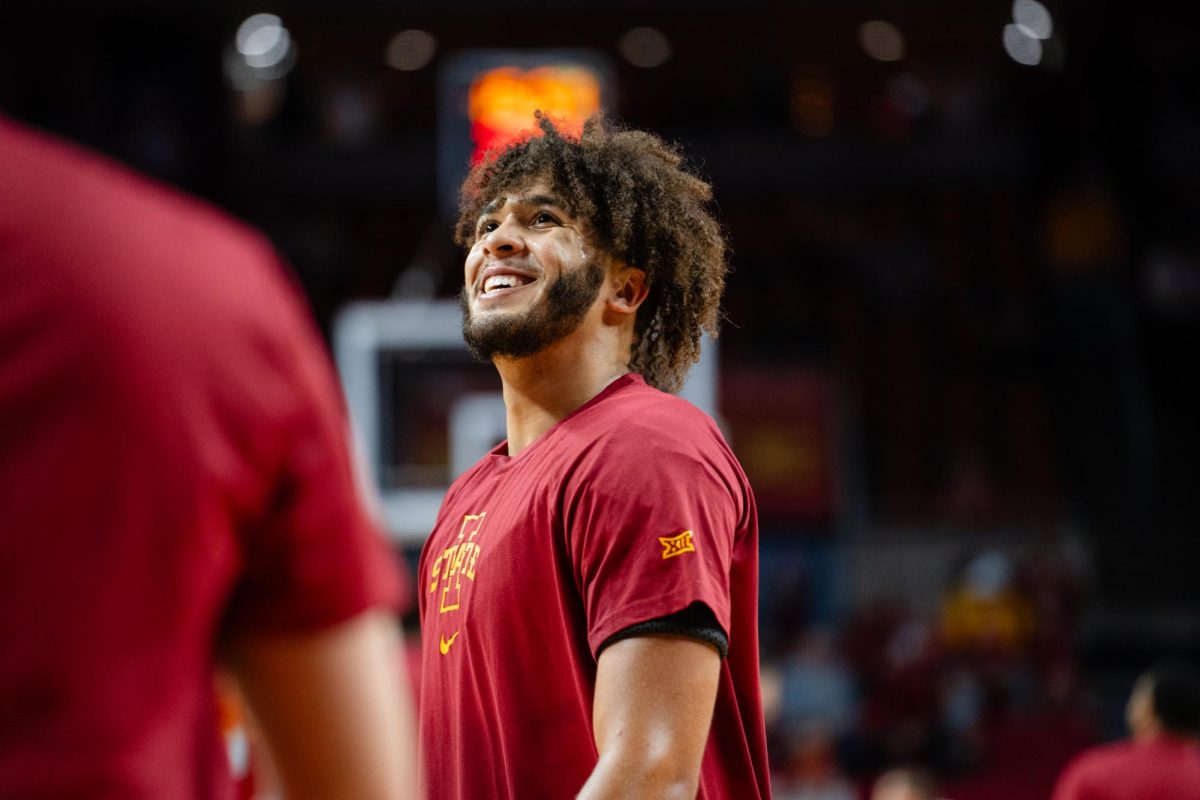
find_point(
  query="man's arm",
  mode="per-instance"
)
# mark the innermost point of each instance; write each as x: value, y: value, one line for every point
x: 651, y: 714
x: 334, y: 708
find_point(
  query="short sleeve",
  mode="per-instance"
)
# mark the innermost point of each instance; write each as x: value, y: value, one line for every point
x: 652, y: 519
x: 314, y: 557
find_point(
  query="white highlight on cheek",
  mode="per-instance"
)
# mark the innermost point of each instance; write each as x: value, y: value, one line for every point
x: 471, y: 264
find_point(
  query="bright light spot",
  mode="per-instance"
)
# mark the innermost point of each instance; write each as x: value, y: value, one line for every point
x: 244, y: 77
x: 410, y: 50
x: 262, y: 51
x: 252, y: 25
x: 1021, y: 45
x: 881, y: 40
x: 263, y: 41
x: 1034, y: 16
x: 645, y: 47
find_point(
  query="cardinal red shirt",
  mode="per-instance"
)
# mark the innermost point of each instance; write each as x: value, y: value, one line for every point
x: 630, y: 509
x: 173, y: 470
x: 1162, y: 768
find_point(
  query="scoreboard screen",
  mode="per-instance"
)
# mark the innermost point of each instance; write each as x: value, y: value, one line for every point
x: 487, y: 98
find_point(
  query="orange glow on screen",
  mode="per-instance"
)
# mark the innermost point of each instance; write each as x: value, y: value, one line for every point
x: 502, y: 102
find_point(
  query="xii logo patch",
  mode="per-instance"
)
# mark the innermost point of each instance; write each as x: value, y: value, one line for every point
x: 677, y: 545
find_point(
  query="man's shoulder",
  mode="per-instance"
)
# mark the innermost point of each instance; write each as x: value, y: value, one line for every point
x: 124, y: 237
x: 639, y: 414
x: 41, y: 166
x: 1100, y: 762
x: 641, y: 431
x: 173, y: 297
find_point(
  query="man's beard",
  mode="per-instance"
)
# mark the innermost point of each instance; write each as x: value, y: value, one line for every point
x: 520, y: 335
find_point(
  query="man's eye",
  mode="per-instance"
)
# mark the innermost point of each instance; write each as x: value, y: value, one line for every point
x: 487, y: 226
x: 545, y: 217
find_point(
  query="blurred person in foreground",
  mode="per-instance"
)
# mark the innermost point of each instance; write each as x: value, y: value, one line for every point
x: 175, y: 492
x: 589, y: 592
x: 1161, y: 761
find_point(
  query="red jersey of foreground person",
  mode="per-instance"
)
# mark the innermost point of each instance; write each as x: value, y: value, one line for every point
x: 1163, y: 767
x: 173, y: 469
x: 630, y: 509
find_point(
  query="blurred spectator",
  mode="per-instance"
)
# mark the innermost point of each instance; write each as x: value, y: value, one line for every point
x: 984, y: 615
x: 818, y: 691
x: 1162, y: 759
x: 1054, y: 596
x: 175, y: 491
x: 901, y: 716
x: 962, y: 708
x: 810, y: 770
x: 904, y: 784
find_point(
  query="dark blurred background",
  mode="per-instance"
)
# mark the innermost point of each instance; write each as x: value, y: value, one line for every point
x: 962, y: 333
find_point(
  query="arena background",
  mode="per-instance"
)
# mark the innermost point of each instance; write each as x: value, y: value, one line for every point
x: 963, y: 327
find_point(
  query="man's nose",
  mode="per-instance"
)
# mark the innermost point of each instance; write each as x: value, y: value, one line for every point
x: 504, y: 241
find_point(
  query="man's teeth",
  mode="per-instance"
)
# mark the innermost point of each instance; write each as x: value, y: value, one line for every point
x: 502, y: 282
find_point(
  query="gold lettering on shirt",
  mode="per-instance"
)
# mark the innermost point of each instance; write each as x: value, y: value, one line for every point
x: 677, y: 545
x: 455, y: 561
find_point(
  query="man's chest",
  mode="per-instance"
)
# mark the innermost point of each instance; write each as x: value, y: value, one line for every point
x: 495, y: 563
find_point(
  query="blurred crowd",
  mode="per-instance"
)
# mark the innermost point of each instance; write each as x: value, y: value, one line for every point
x: 984, y: 696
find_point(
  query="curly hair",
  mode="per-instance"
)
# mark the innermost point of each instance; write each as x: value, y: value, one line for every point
x: 645, y: 208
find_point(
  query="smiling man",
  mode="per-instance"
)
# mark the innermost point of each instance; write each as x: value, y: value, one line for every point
x: 589, y: 592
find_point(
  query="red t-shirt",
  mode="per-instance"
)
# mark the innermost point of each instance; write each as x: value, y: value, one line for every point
x: 173, y: 470
x: 1162, y: 768
x: 630, y: 509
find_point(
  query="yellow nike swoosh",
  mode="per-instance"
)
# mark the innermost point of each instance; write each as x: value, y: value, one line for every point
x: 444, y: 644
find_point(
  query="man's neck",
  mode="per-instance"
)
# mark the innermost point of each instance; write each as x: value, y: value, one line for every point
x: 542, y: 390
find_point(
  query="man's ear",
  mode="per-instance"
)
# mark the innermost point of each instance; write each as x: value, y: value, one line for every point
x: 629, y: 290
